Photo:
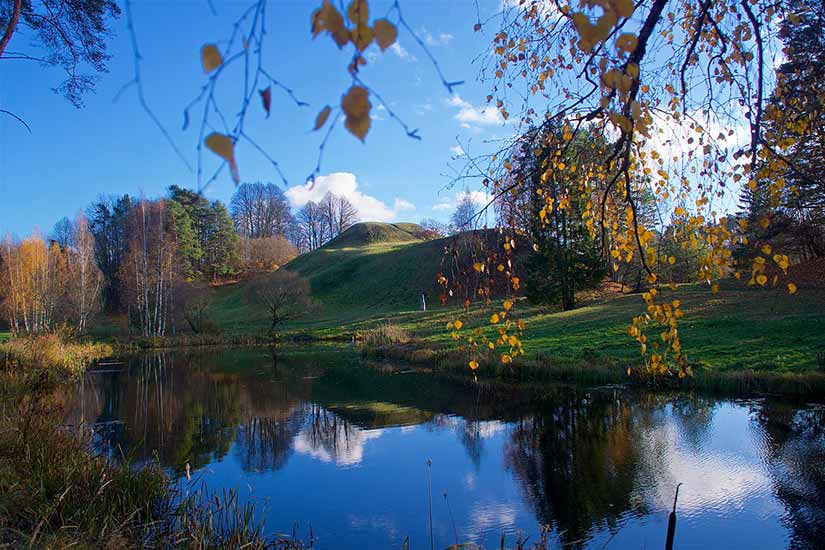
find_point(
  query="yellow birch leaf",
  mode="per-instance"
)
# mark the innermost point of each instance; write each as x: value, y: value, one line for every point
x: 358, y: 12
x: 223, y: 146
x: 356, y: 106
x: 362, y: 37
x: 385, y: 33
x: 322, y: 117
x: 210, y: 58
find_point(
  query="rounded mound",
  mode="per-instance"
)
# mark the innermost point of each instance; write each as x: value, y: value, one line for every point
x: 365, y: 233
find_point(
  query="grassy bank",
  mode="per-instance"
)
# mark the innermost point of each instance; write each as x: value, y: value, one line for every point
x: 739, y: 339
x: 375, y: 274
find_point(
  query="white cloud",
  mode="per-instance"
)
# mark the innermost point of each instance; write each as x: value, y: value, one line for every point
x: 440, y: 39
x: 457, y: 151
x: 345, y: 184
x: 674, y: 138
x: 479, y: 198
x: 469, y: 115
x: 424, y: 108
x: 402, y: 52
x: 544, y: 7
x: 373, y: 55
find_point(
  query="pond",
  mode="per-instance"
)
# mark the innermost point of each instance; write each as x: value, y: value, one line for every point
x: 357, y: 451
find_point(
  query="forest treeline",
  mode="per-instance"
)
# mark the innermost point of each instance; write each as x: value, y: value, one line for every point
x: 152, y: 260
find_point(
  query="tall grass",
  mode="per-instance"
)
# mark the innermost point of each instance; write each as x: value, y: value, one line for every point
x: 52, y: 352
x: 55, y: 493
x: 385, y: 334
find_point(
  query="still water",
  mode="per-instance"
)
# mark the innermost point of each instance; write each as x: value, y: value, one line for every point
x: 319, y: 438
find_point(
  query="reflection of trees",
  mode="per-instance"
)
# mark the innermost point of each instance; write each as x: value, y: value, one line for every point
x: 332, y: 434
x: 578, y: 461
x: 266, y: 443
x: 173, y: 406
x: 794, y: 449
x: 694, y: 415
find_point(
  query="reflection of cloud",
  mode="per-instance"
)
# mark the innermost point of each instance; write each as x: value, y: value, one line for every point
x: 487, y: 516
x: 382, y: 523
x: 345, y: 184
x: 470, y: 481
x: 341, y: 443
x: 489, y: 428
x: 712, y: 481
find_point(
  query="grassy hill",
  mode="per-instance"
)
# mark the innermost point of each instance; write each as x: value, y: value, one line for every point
x: 374, y: 266
x: 370, y: 268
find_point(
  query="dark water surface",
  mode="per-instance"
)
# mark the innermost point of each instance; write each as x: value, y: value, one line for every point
x: 319, y: 437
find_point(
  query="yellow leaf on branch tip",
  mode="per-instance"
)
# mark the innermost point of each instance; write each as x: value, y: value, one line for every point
x: 494, y: 318
x: 508, y: 304
x: 356, y: 106
x: 791, y: 288
x: 358, y: 12
x: 766, y: 249
x: 223, y: 146
x: 385, y: 33
x: 478, y: 266
x: 506, y: 359
x: 458, y: 324
x: 473, y: 365
x: 762, y: 279
x: 210, y: 58
x: 322, y: 117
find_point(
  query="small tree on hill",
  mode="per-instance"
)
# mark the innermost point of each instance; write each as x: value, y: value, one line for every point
x: 284, y: 293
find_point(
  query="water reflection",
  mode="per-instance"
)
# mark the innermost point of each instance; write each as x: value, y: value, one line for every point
x: 323, y: 438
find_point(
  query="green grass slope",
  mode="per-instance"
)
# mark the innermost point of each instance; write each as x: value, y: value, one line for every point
x: 370, y: 268
x: 373, y: 266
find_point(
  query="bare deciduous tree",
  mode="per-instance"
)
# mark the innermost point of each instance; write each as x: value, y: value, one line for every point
x: 149, y: 271
x: 85, y: 278
x: 63, y: 233
x: 284, y: 293
x: 260, y: 210
x: 311, y: 225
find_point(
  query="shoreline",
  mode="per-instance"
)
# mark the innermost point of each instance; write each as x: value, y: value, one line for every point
x: 539, y: 368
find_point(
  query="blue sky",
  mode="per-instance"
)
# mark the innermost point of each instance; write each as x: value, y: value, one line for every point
x: 72, y: 155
